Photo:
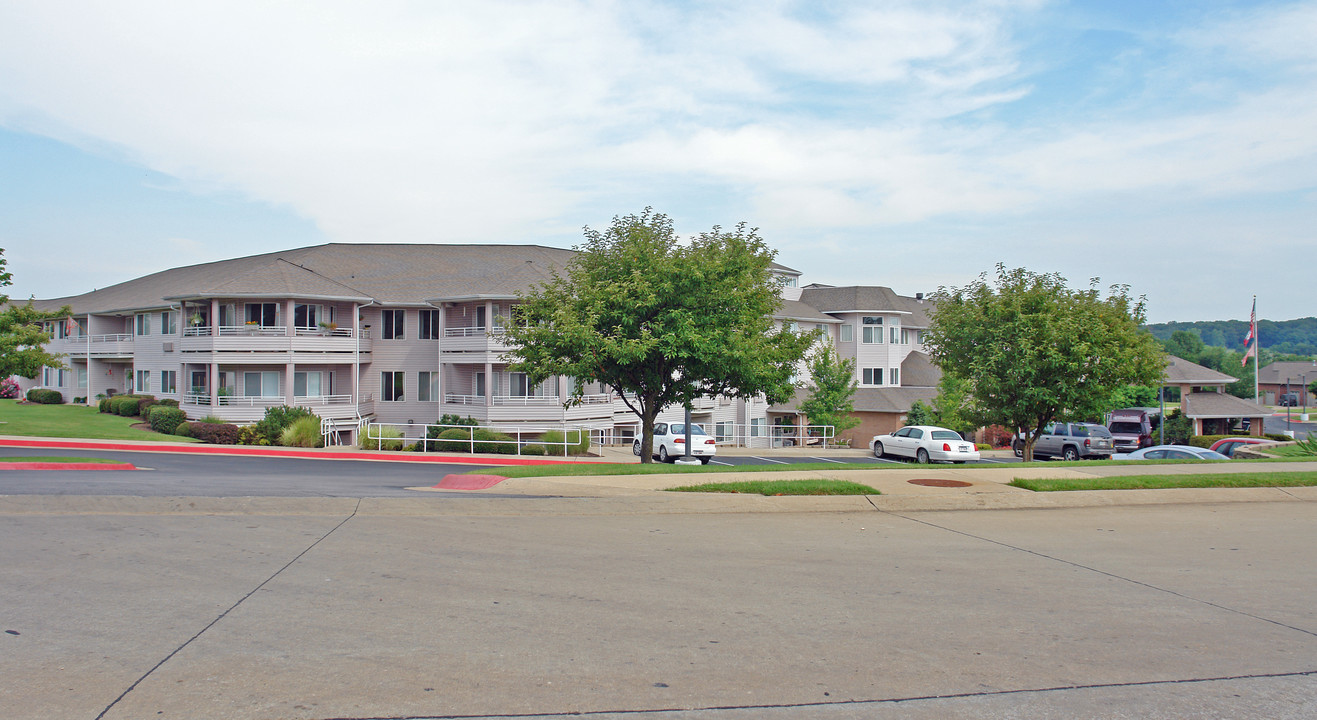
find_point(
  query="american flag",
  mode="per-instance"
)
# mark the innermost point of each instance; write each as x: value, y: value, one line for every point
x: 1250, y: 342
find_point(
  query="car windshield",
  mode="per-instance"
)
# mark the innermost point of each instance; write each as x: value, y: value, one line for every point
x: 1129, y: 428
x: 946, y: 435
x: 680, y: 429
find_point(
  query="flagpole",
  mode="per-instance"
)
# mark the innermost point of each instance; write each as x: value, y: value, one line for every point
x: 1257, y: 355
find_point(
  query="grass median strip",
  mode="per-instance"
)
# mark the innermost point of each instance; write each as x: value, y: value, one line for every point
x: 782, y: 487
x: 1158, y: 482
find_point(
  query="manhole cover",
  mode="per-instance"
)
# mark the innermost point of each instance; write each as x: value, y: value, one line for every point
x: 936, y: 482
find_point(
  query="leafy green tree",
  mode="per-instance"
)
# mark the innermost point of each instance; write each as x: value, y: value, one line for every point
x: 947, y: 409
x: 1030, y: 350
x: 1184, y: 344
x: 22, y: 339
x: 1132, y: 396
x: 831, y: 401
x: 660, y: 322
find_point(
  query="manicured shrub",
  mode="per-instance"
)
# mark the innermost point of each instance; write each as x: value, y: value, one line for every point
x: 215, y: 433
x: 45, y: 397
x: 249, y: 435
x: 381, y: 437
x: 144, y: 402
x: 168, y: 402
x: 533, y: 450
x: 1277, y: 437
x: 450, y: 419
x: 494, y: 443
x: 451, y: 440
x: 166, y: 419
x: 303, y: 432
x: 212, y: 420
x: 553, y: 440
x: 271, y: 427
x: 124, y: 405
x: 104, y: 405
x: 183, y: 429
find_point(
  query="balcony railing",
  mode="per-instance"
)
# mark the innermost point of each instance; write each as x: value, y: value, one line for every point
x: 524, y: 400
x: 116, y: 337
x: 472, y: 331
x: 263, y: 401
x: 268, y: 331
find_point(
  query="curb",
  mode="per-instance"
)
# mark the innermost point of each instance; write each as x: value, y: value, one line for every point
x: 270, y: 451
x: 65, y: 466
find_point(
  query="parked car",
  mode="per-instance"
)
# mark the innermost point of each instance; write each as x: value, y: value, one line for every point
x: 1171, y: 452
x: 925, y: 443
x: 1131, y: 429
x: 1288, y: 400
x: 1070, y: 441
x: 1227, y: 446
x: 670, y: 443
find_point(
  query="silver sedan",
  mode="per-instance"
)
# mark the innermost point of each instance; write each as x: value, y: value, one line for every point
x: 1171, y: 452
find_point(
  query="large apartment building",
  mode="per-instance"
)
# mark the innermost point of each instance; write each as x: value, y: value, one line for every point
x: 408, y: 333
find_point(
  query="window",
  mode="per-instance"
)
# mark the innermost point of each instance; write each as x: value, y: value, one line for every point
x: 895, y: 376
x: 391, y: 382
x: 260, y: 384
x: 873, y: 376
x: 48, y: 377
x: 791, y: 326
x: 895, y: 335
x: 168, y: 323
x: 143, y: 381
x: 82, y: 377
x: 757, y: 427
x: 848, y: 333
x: 306, y: 384
x: 144, y: 324
x: 263, y: 314
x: 168, y: 381
x: 520, y: 385
x: 722, y: 431
x: 427, y: 383
x: 873, y: 330
x: 907, y: 336
x: 308, y: 316
x: 393, y: 324
x: 429, y: 325
x: 480, y: 384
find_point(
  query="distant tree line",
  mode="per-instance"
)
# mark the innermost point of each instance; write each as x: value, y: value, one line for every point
x: 1284, y: 337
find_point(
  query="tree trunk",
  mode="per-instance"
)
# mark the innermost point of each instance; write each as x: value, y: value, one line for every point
x: 647, y: 414
x: 1028, y: 449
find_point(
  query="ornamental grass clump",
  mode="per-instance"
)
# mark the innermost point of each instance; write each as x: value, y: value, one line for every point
x: 302, y: 432
x: 381, y: 437
x: 553, y: 441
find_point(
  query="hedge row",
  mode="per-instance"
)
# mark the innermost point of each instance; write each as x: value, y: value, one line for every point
x: 45, y: 397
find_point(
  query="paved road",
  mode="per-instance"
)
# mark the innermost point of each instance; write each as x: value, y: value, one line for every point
x: 341, y: 608
x: 223, y: 476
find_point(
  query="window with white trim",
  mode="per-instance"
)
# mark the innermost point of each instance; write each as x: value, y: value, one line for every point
x: 260, y: 384
x: 168, y: 381
x: 263, y: 314
x: 427, y: 383
x: 143, y: 321
x: 168, y: 323
x: 392, y: 383
x: 143, y: 381
x: 307, y: 384
x: 895, y: 376
x: 873, y: 376
x: 873, y: 330
x: 848, y: 333
x: 394, y: 321
x: 82, y: 377
x: 429, y: 325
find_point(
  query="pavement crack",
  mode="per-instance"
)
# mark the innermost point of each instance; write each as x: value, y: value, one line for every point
x: 1099, y: 571
x: 224, y: 614
x: 840, y: 703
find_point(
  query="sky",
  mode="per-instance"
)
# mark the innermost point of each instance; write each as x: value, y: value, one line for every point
x: 1167, y: 146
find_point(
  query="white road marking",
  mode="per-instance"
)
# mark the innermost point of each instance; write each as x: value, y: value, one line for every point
x: 839, y: 462
x: 779, y: 462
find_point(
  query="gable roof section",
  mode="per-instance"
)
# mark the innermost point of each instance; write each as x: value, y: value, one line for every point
x: 796, y: 310
x: 917, y: 370
x: 867, y: 298
x: 1182, y: 372
x: 1220, y: 405
x: 888, y: 400
x: 386, y: 273
x: 1293, y: 370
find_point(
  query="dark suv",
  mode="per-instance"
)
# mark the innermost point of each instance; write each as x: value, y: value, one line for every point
x: 1288, y: 400
x: 1071, y: 441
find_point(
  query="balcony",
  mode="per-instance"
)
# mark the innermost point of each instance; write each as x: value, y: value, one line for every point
x: 528, y: 408
x: 113, y: 345
x: 309, y: 344
x: 474, y: 339
x: 247, y: 409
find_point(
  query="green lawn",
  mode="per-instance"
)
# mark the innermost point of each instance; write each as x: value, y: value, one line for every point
x: 782, y: 487
x: 72, y: 421
x: 1156, y: 482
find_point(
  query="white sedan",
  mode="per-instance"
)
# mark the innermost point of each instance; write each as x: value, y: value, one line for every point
x: 1171, y: 452
x: 670, y: 443
x: 925, y: 443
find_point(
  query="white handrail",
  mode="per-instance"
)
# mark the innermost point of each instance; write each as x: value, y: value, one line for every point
x: 116, y: 337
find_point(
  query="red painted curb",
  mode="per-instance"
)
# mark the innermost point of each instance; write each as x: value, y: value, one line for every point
x: 469, y: 482
x: 65, y: 466
x: 260, y: 451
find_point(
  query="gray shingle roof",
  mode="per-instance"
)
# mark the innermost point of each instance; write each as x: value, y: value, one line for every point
x: 796, y: 310
x: 1182, y: 372
x: 864, y: 298
x: 389, y: 274
x: 1277, y: 372
x: 1220, y: 405
x: 890, y: 400
x: 917, y: 370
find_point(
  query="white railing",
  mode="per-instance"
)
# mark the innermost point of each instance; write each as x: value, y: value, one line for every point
x: 314, y: 400
x: 195, y: 399
x: 369, y: 435
x: 472, y: 331
x: 116, y: 337
x: 254, y: 330
x: 197, y: 331
x: 323, y: 332
x: 250, y: 400
x: 599, y: 399
x: 752, y: 436
x: 526, y: 400
x: 464, y: 399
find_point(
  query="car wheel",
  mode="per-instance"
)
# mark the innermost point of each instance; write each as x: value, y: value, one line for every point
x: 1018, y: 447
x: 878, y: 450
x: 635, y: 448
x: 922, y: 456
x: 663, y: 454
x: 705, y: 460
x: 1070, y: 454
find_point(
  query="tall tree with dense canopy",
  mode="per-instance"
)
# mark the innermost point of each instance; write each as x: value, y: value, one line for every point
x: 660, y: 322
x: 22, y: 337
x: 831, y: 400
x: 1032, y: 351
